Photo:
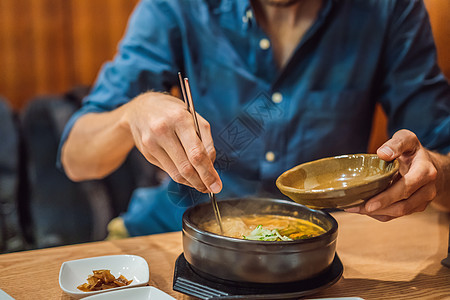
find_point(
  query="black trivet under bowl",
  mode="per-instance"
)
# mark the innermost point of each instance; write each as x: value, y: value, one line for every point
x: 204, y: 286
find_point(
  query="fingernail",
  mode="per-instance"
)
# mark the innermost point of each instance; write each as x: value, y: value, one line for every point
x: 355, y: 209
x: 373, y: 206
x: 388, y: 151
x: 215, y: 188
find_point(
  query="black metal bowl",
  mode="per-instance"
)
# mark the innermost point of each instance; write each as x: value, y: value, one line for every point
x: 258, y: 261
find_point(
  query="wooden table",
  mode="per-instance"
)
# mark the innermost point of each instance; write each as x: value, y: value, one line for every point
x: 395, y: 260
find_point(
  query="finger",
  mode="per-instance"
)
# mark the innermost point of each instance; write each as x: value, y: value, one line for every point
x: 396, y: 192
x: 417, y: 202
x: 205, y: 130
x: 403, y: 142
x: 382, y: 218
x: 395, y: 147
x: 168, y: 169
x: 157, y: 156
x: 166, y: 165
x: 199, y: 158
x: 161, y: 141
x: 176, y: 155
x: 420, y: 174
x: 422, y: 207
x: 150, y: 158
x: 354, y: 209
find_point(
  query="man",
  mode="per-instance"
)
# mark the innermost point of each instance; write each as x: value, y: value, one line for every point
x: 275, y: 83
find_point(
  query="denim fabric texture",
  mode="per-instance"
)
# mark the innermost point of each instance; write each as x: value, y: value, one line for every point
x: 357, y: 53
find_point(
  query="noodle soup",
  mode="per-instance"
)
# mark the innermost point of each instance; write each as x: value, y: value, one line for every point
x: 265, y: 227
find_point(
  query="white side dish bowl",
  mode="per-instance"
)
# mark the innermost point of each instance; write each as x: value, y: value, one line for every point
x: 74, y: 273
x: 140, y: 293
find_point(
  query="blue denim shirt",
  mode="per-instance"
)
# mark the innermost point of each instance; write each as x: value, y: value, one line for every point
x: 265, y: 120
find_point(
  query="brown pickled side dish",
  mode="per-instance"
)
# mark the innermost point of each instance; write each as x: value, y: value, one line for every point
x: 103, y: 280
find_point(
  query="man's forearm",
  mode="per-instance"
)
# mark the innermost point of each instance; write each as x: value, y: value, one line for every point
x: 97, y: 145
x: 442, y: 163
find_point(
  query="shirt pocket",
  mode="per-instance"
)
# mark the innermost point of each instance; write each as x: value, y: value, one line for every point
x: 337, y: 103
x: 334, y: 123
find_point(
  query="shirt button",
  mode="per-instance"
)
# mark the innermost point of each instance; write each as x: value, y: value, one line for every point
x: 270, y: 156
x: 249, y: 14
x: 277, y: 97
x: 264, y: 44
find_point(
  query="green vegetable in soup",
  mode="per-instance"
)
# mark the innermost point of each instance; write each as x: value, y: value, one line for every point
x: 262, y: 234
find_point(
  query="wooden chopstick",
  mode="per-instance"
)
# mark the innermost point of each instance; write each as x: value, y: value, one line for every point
x: 187, y: 97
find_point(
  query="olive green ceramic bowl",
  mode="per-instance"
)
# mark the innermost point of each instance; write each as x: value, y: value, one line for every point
x: 337, y: 182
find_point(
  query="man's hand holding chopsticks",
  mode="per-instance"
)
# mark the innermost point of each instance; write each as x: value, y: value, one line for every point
x: 164, y: 132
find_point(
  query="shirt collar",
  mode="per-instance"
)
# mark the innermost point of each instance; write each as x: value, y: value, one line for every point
x: 244, y: 7
x: 245, y: 10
